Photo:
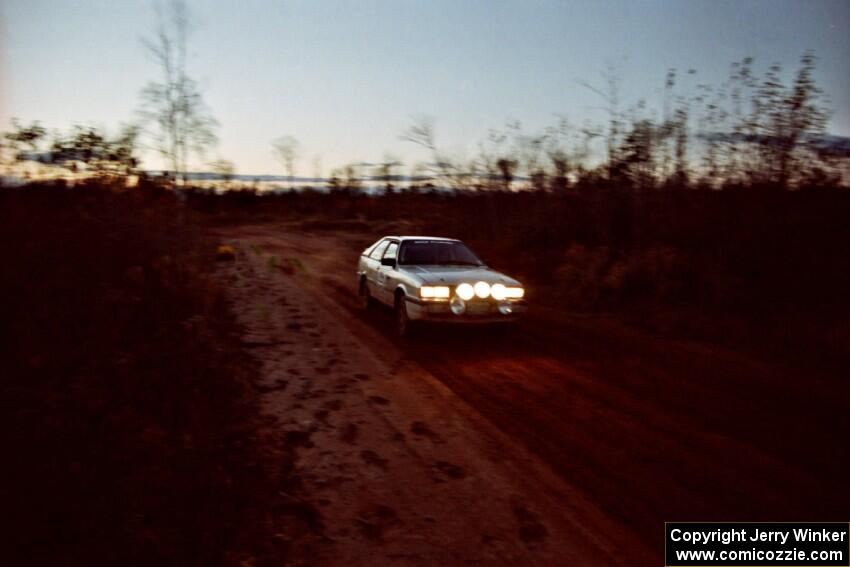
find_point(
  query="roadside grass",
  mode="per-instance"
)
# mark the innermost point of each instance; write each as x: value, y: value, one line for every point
x: 129, y: 428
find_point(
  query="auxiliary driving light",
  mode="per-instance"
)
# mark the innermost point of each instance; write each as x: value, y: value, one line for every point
x: 482, y: 290
x: 498, y: 291
x: 505, y: 308
x: 465, y: 291
x: 458, y: 305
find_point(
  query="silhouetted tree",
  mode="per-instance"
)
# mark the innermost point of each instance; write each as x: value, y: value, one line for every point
x: 24, y: 138
x: 92, y: 149
x: 421, y: 133
x: 557, y: 155
x: 386, y: 171
x: 636, y: 156
x: 183, y: 124
x: 224, y: 168
x: 529, y: 150
x: 611, y: 96
x: 791, y: 116
x: 764, y: 132
x: 506, y: 168
x: 489, y: 153
x: 351, y: 179
x: 285, y: 150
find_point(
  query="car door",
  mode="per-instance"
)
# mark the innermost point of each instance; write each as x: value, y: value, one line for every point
x: 386, y: 279
x: 365, y: 263
x: 372, y: 263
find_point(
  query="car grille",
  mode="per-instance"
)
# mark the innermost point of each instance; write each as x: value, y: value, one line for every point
x: 479, y: 308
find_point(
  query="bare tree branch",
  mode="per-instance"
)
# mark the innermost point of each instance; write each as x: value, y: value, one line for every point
x: 175, y: 106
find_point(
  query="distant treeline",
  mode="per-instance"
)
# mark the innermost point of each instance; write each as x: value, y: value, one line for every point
x: 755, y: 130
x: 750, y: 130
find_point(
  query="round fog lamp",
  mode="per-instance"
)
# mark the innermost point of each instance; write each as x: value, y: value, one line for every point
x: 457, y: 306
x: 482, y: 290
x: 505, y: 308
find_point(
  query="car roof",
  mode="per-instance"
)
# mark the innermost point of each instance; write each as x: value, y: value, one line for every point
x: 424, y: 238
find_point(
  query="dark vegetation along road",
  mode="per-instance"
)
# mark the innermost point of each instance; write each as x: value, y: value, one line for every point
x: 168, y: 401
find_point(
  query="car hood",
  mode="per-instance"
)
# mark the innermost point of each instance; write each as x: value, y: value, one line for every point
x: 455, y: 275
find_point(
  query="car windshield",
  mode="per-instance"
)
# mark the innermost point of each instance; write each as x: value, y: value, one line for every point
x: 437, y: 252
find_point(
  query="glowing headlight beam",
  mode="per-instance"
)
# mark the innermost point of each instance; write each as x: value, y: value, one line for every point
x: 482, y: 290
x: 498, y: 291
x: 434, y: 292
x: 514, y: 293
x: 465, y: 291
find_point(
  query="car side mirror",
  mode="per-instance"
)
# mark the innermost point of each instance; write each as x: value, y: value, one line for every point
x: 388, y: 262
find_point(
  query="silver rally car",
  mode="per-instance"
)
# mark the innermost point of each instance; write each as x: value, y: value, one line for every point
x: 425, y: 278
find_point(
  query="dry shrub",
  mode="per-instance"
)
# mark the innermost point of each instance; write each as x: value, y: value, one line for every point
x: 602, y: 276
x: 585, y: 274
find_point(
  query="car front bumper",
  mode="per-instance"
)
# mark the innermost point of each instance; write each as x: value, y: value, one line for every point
x: 477, y: 311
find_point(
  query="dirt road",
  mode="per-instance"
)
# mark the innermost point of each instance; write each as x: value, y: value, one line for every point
x: 569, y: 439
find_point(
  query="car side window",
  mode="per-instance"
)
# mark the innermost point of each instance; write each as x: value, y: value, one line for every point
x: 378, y: 251
x: 392, y: 251
x: 370, y: 248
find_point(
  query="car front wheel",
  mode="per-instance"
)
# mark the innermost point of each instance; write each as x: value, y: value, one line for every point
x: 366, y: 301
x: 402, y: 321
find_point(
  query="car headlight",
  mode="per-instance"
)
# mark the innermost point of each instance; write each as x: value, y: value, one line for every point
x: 514, y: 293
x: 434, y: 292
x: 465, y: 291
x: 498, y: 291
x: 482, y: 290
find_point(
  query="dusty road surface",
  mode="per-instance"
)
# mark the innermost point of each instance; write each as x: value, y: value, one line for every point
x: 567, y: 440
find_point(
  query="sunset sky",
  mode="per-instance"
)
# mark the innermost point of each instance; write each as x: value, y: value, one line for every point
x: 344, y: 78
